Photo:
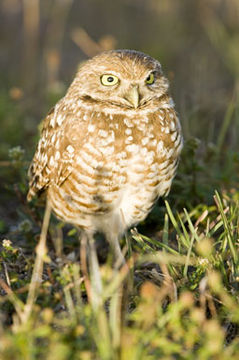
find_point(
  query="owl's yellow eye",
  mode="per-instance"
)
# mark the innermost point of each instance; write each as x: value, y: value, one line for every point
x: 150, y: 79
x: 109, y: 80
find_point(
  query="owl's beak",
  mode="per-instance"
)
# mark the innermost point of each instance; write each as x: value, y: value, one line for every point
x: 133, y: 96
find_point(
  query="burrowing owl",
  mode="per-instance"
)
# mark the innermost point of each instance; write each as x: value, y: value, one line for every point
x: 110, y: 147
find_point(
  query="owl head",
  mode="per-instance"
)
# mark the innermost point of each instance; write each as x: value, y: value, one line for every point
x: 120, y: 78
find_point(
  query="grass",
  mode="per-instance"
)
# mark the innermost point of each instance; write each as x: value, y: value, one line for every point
x: 176, y: 298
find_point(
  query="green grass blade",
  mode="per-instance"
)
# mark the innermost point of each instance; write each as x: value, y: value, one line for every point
x: 175, y: 225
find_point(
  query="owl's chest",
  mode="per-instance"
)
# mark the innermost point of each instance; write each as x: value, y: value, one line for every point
x: 119, y: 148
x: 119, y: 137
x: 119, y: 163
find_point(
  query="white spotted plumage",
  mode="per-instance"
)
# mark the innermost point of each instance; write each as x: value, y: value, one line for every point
x: 105, y: 155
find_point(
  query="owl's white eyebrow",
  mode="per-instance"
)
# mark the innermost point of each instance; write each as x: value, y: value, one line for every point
x: 111, y: 73
x: 152, y: 72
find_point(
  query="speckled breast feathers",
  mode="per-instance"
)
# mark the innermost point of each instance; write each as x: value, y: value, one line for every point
x: 106, y: 154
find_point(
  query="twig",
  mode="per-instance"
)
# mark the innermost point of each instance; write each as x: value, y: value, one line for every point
x: 11, y: 163
x: 38, y: 266
x: 83, y: 263
x: 12, y: 297
x: 85, y: 42
x: 6, y: 274
x: 5, y: 287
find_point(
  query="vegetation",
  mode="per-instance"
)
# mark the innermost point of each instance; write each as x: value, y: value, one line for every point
x: 177, y: 296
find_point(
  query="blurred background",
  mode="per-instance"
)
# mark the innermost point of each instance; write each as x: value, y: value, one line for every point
x: 43, y: 41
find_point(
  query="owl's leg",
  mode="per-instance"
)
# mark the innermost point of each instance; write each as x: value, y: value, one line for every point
x: 89, y: 257
x: 94, y: 265
x: 119, y: 258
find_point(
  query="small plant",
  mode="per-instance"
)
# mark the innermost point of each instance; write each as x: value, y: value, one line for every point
x: 183, y: 302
